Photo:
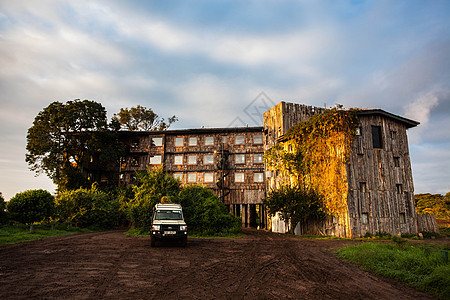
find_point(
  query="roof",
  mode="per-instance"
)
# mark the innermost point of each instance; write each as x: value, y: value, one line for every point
x: 371, y: 112
x: 195, y: 131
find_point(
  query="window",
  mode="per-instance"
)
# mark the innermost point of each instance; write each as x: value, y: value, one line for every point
x: 224, y: 140
x: 209, y: 140
x: 134, y: 161
x: 364, y: 218
x: 193, y: 141
x: 362, y: 187
x: 393, y: 134
x: 209, y: 159
x: 397, y: 162
x: 157, y: 141
x: 257, y: 139
x: 208, y: 177
x: 258, y: 158
x: 240, y: 159
x: 399, y: 188
x: 135, y: 144
x: 238, y: 177
x: 376, y: 137
x: 155, y: 160
x: 239, y: 140
x: 258, y: 177
x: 358, y: 131
x: 402, y: 218
x: 178, y: 176
x: 178, y: 160
x: 179, y: 142
x: 192, y: 177
x: 192, y: 159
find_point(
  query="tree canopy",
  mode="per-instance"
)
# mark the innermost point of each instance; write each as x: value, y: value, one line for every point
x: 142, y: 118
x: 65, y: 137
x: 294, y: 204
x: 31, y: 206
x: 437, y: 204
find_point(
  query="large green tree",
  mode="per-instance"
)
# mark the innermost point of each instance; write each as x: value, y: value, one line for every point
x: 142, y: 118
x: 65, y: 138
x: 31, y: 206
x: 294, y: 204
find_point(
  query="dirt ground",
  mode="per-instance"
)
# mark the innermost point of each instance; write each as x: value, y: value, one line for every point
x: 116, y: 266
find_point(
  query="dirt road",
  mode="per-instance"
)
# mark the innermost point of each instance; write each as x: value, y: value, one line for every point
x: 115, y: 266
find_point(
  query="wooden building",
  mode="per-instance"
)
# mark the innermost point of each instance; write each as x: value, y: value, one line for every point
x: 380, y: 194
x: 227, y: 160
x: 380, y: 191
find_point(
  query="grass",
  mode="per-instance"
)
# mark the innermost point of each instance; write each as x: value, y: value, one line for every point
x: 18, y: 234
x: 420, y: 267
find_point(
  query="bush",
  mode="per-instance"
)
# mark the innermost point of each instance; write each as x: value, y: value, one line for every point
x: 205, y: 214
x: 31, y: 206
x: 151, y: 186
x: 3, y: 212
x: 88, y: 208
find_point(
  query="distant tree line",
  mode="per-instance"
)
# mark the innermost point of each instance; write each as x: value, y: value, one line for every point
x: 437, y: 204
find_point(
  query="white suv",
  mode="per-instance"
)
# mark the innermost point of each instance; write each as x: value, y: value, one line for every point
x: 168, y: 224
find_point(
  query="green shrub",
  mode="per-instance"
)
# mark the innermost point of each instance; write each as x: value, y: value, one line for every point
x: 88, y: 208
x: 3, y: 212
x: 205, y: 214
x: 150, y: 187
x: 31, y: 206
x: 421, y: 269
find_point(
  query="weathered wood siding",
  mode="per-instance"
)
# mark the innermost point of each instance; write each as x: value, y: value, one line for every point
x: 427, y: 223
x: 381, y: 191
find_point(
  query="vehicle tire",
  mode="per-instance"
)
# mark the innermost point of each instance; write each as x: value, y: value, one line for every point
x: 152, y: 241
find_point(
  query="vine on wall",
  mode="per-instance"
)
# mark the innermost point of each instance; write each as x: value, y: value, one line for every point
x: 313, y: 154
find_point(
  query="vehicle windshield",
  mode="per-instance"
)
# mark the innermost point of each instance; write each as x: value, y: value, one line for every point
x: 168, y: 215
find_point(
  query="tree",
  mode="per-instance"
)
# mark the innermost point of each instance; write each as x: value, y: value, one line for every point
x: 205, y: 214
x: 31, y: 206
x: 149, y: 188
x: 65, y: 138
x: 3, y: 213
x: 141, y: 118
x: 295, y: 204
x: 88, y: 207
x: 437, y: 204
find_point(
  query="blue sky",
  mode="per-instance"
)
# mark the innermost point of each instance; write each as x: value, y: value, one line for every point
x: 207, y: 61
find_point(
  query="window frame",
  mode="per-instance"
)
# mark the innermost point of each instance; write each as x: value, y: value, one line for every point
x: 175, y: 160
x: 178, y: 138
x: 191, y: 138
x: 212, y: 177
x: 210, y: 143
x: 178, y: 174
x: 259, y: 174
x: 258, y: 143
x: 189, y: 159
x: 240, y: 174
x: 153, y: 158
x: 153, y: 144
x: 189, y: 177
x: 259, y: 155
x: 236, y: 159
x: 205, y: 161
x: 236, y: 139
x: 377, y: 137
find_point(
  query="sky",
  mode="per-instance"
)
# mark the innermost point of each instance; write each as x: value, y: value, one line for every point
x: 220, y: 63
